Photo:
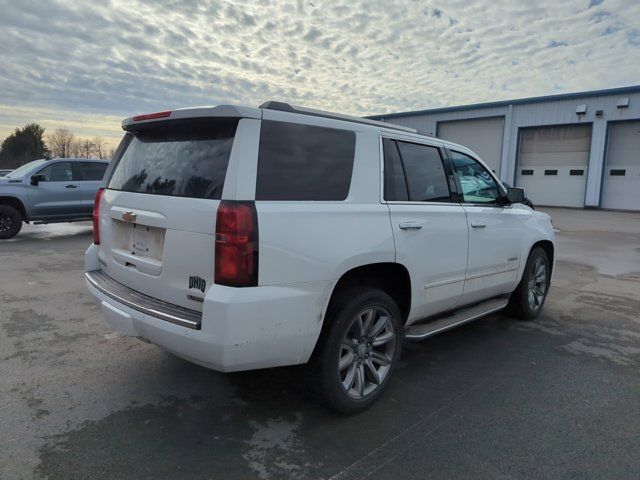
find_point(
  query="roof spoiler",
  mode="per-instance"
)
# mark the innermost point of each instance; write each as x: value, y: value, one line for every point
x: 233, y: 111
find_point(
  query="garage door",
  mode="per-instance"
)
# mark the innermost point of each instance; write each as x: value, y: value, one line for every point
x: 621, y: 188
x: 483, y: 136
x: 552, y: 164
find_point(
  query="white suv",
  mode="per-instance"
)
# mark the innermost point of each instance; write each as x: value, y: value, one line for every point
x: 244, y: 238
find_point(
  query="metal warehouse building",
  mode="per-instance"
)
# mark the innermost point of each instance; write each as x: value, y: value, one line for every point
x: 571, y: 150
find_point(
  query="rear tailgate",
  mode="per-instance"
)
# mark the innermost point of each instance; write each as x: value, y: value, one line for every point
x: 158, y: 213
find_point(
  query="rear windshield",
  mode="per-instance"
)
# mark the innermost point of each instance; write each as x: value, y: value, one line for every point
x: 176, y: 158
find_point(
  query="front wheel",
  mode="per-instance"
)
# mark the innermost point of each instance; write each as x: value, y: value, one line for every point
x: 10, y: 221
x: 528, y: 298
x: 359, y: 352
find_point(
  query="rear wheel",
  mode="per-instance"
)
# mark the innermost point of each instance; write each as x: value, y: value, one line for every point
x: 10, y: 221
x: 528, y: 298
x: 360, y: 350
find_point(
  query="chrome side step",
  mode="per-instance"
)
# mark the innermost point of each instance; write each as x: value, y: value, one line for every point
x: 428, y: 329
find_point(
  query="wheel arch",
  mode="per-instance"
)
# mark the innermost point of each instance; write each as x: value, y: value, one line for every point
x: 16, y: 203
x: 390, y: 277
x: 549, y: 249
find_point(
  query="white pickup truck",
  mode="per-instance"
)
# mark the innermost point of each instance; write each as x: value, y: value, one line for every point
x: 243, y: 238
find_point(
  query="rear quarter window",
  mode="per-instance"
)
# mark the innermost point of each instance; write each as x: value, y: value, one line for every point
x: 181, y: 158
x: 304, y: 162
x: 92, y: 171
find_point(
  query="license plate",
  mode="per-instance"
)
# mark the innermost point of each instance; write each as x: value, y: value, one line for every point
x: 146, y: 241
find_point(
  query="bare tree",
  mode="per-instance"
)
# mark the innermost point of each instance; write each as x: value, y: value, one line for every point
x: 61, y: 142
x: 82, y: 148
x: 112, y: 153
x: 86, y: 148
x: 99, y: 147
x: 74, y: 151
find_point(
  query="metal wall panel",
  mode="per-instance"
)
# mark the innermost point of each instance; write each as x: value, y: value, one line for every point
x: 621, y: 189
x: 484, y: 136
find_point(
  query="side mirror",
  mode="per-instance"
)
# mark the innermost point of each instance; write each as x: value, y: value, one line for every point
x: 515, y: 195
x: 36, y: 179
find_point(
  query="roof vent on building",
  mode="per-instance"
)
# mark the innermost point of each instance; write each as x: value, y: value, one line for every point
x: 623, y: 102
x: 581, y: 109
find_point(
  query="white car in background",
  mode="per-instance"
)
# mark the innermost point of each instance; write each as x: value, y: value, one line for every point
x: 243, y: 238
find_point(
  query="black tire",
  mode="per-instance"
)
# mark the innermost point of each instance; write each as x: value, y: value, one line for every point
x: 345, y: 312
x: 10, y: 221
x: 521, y: 304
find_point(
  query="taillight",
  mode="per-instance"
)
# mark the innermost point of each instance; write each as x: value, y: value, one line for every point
x: 236, y: 262
x: 96, y: 216
x: 150, y: 116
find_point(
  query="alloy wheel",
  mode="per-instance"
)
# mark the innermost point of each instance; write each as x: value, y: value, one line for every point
x: 6, y: 223
x: 537, y: 284
x: 367, y: 352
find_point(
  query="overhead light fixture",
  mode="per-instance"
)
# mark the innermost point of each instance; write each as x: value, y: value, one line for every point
x: 581, y: 109
x: 623, y: 102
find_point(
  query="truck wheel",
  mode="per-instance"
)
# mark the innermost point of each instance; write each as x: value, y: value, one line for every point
x: 10, y: 221
x: 360, y: 351
x: 528, y: 298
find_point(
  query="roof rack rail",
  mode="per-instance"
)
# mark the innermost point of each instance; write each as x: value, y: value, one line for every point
x: 286, y: 107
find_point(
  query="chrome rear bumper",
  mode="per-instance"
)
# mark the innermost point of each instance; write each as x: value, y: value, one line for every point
x: 143, y: 303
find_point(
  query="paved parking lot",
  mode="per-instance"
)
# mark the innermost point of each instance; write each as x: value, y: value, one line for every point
x: 554, y: 398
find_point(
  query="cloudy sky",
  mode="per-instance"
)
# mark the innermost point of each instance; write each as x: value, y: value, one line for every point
x: 86, y: 65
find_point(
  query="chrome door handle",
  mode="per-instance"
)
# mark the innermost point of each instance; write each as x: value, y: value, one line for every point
x: 478, y: 224
x: 410, y: 226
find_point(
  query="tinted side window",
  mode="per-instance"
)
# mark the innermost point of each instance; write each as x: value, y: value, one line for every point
x: 395, y: 185
x: 303, y: 162
x: 478, y: 186
x: 92, y: 171
x: 57, y: 172
x: 426, y: 178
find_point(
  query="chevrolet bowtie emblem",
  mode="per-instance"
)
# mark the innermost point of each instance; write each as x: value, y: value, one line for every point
x: 129, y: 217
